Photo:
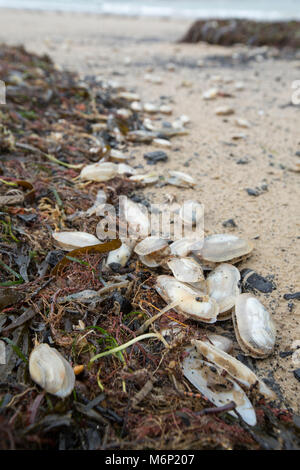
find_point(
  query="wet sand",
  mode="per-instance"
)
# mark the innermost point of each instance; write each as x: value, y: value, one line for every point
x: 125, y: 49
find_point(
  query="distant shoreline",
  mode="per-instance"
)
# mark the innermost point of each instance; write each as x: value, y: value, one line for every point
x: 161, y: 16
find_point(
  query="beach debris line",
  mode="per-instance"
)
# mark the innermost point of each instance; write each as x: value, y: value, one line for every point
x: 94, y: 297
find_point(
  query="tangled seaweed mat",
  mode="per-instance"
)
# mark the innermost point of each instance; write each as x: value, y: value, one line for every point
x: 252, y: 33
x: 136, y: 398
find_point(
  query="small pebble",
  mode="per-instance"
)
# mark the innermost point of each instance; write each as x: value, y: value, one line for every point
x: 156, y: 156
x: 229, y: 223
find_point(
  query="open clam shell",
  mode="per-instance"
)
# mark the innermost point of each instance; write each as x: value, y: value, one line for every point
x: 207, y: 378
x: 152, y: 251
x: 254, y: 328
x: 236, y: 369
x: 186, y: 270
x: 223, y: 286
x: 222, y: 247
x: 49, y: 369
x: 71, y: 240
x: 190, y: 303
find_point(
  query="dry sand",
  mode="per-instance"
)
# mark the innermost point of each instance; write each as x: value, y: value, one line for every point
x: 124, y: 49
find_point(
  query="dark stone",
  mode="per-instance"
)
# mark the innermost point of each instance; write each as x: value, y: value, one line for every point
x: 253, y: 192
x: 297, y: 374
x: 296, y: 296
x: 156, y: 156
x: 242, y: 161
x: 229, y: 223
x: 253, y: 281
x: 284, y: 354
x: 125, y: 305
x: 53, y: 257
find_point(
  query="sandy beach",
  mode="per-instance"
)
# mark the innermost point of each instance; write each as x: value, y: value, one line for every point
x: 224, y: 163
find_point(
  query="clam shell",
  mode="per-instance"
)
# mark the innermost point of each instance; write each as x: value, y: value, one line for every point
x: 223, y: 286
x: 150, y: 245
x: 49, y: 369
x: 120, y: 256
x: 99, y: 172
x: 128, y: 96
x: 254, y: 327
x: 117, y: 156
x: 206, y: 377
x: 148, y: 178
x: 191, y: 212
x: 222, y: 247
x: 162, y: 143
x: 137, y: 218
x: 123, y: 169
x: 224, y: 111
x: 178, y: 178
x: 211, y: 94
x: 71, y: 240
x: 220, y: 342
x: 186, y: 269
x: 190, y: 302
x: 233, y: 367
x: 184, y: 246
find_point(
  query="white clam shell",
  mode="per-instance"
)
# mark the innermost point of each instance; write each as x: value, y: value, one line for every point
x: 222, y: 247
x: 240, y: 122
x: 129, y: 96
x: 191, y: 212
x: 211, y: 94
x: 224, y: 111
x: 120, y: 255
x: 220, y: 342
x: 190, y: 302
x: 178, y: 178
x: 201, y: 373
x: 148, y: 178
x: 184, y: 246
x: 254, y: 327
x: 150, y: 108
x: 223, y: 285
x: 99, y: 172
x: 150, y: 245
x: 117, y: 156
x: 123, y: 169
x: 186, y: 269
x: 233, y: 367
x: 49, y: 369
x: 71, y: 240
x: 137, y: 217
x: 162, y: 143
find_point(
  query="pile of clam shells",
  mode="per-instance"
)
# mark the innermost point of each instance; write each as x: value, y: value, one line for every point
x: 202, y: 283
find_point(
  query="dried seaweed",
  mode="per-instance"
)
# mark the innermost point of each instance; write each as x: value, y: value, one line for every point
x: 130, y: 392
